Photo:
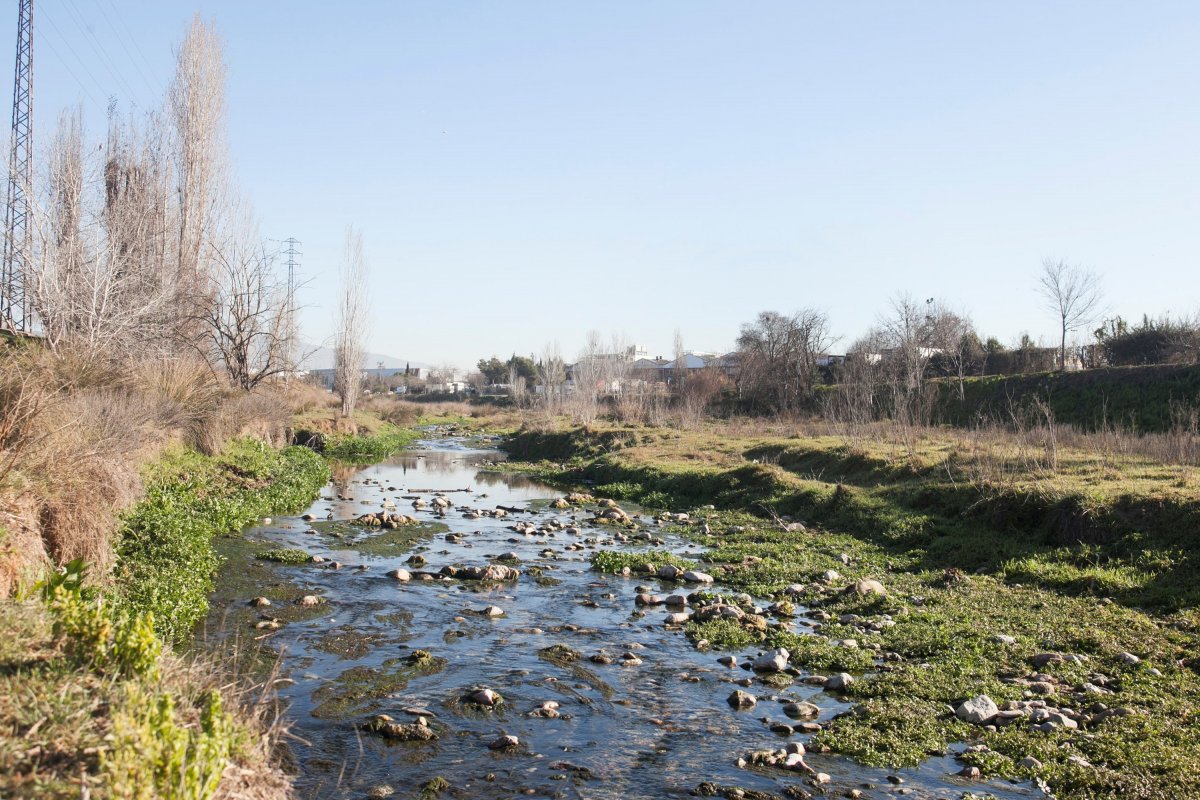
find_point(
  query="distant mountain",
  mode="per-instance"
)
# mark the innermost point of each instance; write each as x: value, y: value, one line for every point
x: 322, y: 358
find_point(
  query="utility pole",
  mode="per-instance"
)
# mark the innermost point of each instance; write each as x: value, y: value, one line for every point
x: 15, y: 313
x: 290, y: 326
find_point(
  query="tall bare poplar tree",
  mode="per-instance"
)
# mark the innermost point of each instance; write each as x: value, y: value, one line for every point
x: 350, y: 346
x: 196, y: 108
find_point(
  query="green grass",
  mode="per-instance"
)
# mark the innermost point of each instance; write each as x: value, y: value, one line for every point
x: 166, y: 559
x: 616, y: 560
x: 369, y: 448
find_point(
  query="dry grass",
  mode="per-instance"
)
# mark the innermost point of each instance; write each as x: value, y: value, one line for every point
x: 76, y: 428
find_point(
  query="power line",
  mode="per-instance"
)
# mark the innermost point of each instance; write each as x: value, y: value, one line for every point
x: 131, y: 38
x: 70, y: 71
x: 83, y: 64
x: 98, y: 49
x: 117, y: 34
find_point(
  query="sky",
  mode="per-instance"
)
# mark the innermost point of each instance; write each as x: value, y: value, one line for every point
x: 524, y: 172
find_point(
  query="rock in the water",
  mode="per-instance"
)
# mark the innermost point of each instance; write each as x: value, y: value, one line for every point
x: 504, y: 742
x: 774, y: 661
x: 493, y: 611
x: 387, y: 727
x: 801, y: 710
x: 483, y: 697
x: 400, y: 574
x: 311, y: 600
x: 742, y: 700
x: 978, y: 710
x: 695, y: 576
x: 260, y: 602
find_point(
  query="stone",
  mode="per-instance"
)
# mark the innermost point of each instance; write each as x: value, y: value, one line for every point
x: 839, y: 682
x: 400, y: 574
x: 869, y: 587
x: 1129, y: 658
x: 774, y: 661
x: 311, y: 600
x: 260, y: 602
x: 1029, y: 762
x: 970, y: 773
x: 493, y: 611
x: 504, y: 742
x: 801, y: 710
x: 483, y: 697
x: 742, y: 700
x: 695, y: 576
x: 678, y: 618
x: 830, y: 575
x: 1001, y: 638
x: 978, y: 710
x: 669, y: 572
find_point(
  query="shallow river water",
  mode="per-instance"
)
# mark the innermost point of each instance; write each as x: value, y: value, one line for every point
x: 654, y: 730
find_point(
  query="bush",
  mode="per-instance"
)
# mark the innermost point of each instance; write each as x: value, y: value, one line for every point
x: 94, y: 634
x: 153, y: 756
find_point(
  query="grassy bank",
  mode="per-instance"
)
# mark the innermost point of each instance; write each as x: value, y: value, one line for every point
x: 165, y: 556
x: 988, y: 561
x: 1146, y: 399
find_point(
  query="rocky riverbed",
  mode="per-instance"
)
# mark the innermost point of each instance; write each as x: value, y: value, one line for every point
x: 444, y: 633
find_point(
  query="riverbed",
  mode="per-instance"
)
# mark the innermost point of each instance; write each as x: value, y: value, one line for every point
x: 660, y: 728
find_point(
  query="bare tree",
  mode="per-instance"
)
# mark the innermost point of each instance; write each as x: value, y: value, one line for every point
x: 196, y: 108
x: 1073, y: 294
x: 679, y: 368
x: 517, y: 385
x: 552, y: 378
x: 951, y: 338
x: 350, y: 345
x: 90, y: 287
x: 588, y: 379
x: 245, y: 325
x: 778, y: 357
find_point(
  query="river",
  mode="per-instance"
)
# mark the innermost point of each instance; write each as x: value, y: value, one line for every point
x: 655, y: 730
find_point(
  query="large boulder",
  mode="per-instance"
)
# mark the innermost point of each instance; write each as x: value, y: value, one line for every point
x: 978, y: 710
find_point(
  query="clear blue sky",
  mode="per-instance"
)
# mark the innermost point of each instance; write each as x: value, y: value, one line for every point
x: 524, y: 172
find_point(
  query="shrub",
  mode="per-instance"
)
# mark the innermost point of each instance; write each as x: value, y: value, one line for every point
x: 153, y: 756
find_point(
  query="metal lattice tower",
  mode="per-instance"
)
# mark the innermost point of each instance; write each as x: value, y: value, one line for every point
x: 290, y: 330
x: 15, y: 312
